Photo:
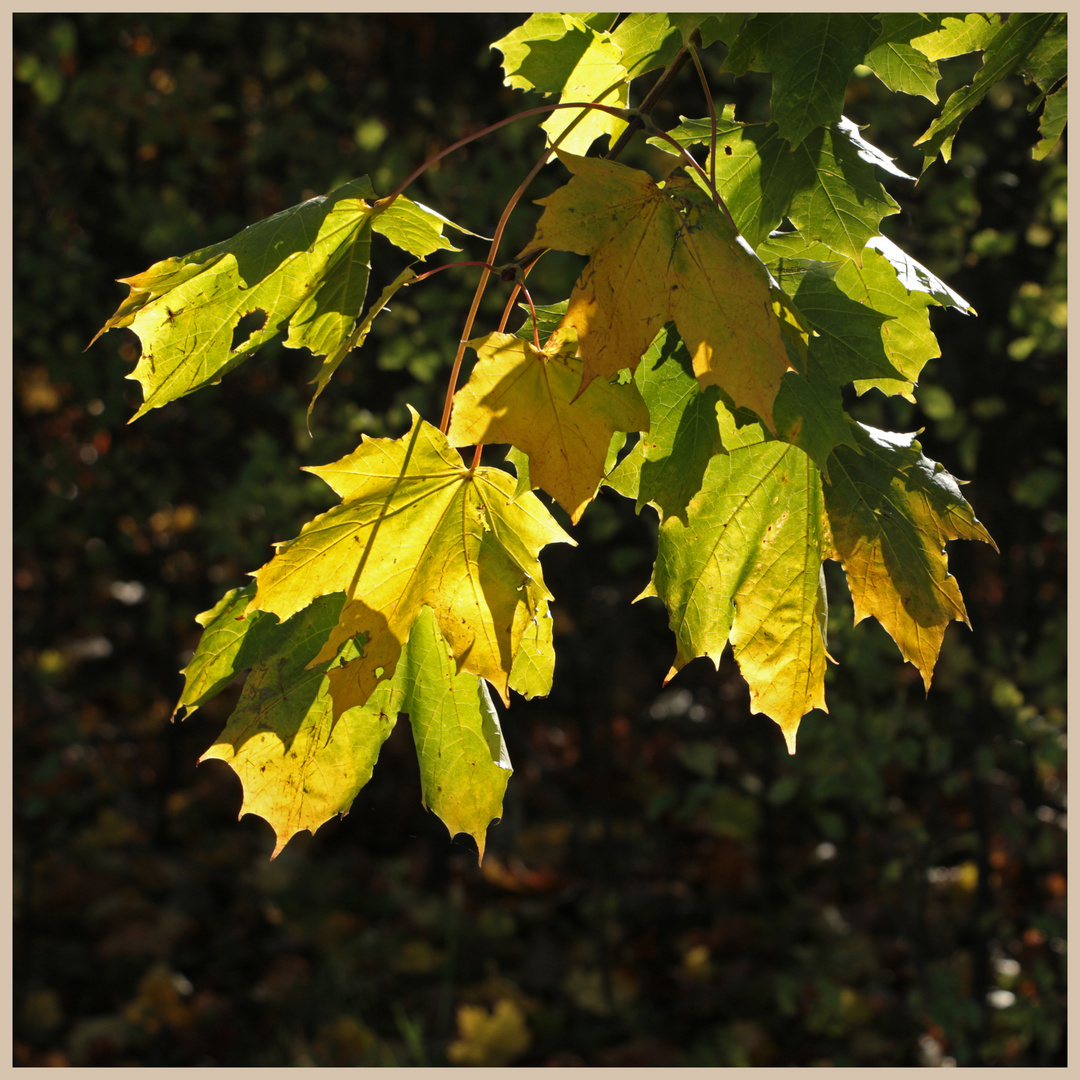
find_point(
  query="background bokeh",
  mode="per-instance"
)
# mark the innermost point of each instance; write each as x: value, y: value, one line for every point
x: 667, y: 886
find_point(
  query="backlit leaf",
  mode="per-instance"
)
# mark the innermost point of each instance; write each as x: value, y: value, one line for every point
x: 561, y: 54
x: 230, y: 644
x: 416, y: 527
x: 891, y: 510
x: 297, y: 767
x: 304, y: 270
x: 657, y: 255
x: 667, y: 465
x: 464, y: 767
x: 826, y: 186
x: 518, y: 395
x: 534, y: 665
x: 898, y: 63
x: 745, y: 566
x: 1052, y: 122
x: 897, y: 290
x: 1004, y: 54
x: 941, y: 37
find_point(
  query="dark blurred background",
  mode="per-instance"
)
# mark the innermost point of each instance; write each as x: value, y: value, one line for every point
x: 667, y: 886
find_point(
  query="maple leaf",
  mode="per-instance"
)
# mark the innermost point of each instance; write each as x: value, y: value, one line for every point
x: 564, y: 54
x: 1047, y: 66
x: 519, y: 395
x: 229, y: 645
x: 298, y: 767
x: 896, y: 62
x: 891, y: 510
x: 1004, y: 54
x: 304, y: 269
x: 656, y: 255
x: 534, y: 666
x: 870, y: 320
x: 827, y: 187
x: 464, y: 766
x: 941, y: 37
x: 416, y: 527
x: 811, y: 58
x: 745, y: 565
x: 666, y: 467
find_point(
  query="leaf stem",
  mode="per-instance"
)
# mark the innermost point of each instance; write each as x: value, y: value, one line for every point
x: 623, y: 114
x: 450, y: 266
x: 712, y: 115
x: 481, y: 285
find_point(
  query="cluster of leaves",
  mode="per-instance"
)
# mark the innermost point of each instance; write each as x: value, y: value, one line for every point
x: 423, y: 585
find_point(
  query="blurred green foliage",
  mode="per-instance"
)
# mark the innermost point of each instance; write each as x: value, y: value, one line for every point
x: 667, y: 886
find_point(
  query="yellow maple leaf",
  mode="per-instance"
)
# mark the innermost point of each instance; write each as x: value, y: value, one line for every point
x: 658, y: 254
x: 891, y: 511
x: 526, y: 397
x: 416, y: 527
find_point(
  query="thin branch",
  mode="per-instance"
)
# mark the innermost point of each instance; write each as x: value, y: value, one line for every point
x: 459, y: 355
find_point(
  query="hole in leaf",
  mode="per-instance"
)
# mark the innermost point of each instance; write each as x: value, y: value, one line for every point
x: 249, y: 324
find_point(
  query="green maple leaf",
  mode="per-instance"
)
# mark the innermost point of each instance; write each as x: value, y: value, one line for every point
x: 1047, y: 66
x: 298, y: 767
x: 304, y: 269
x: 870, y: 321
x: 648, y: 40
x: 416, y: 527
x: 898, y: 63
x: 666, y: 467
x: 941, y: 37
x: 811, y: 58
x: 658, y: 255
x: 827, y: 186
x: 745, y: 565
x: 1055, y: 114
x: 464, y: 766
x: 891, y: 510
x: 1004, y: 53
x: 528, y: 398
x: 562, y: 54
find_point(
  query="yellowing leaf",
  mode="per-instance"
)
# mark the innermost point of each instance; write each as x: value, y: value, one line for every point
x: 297, y: 767
x: 745, y: 566
x: 305, y: 270
x: 660, y: 254
x: 561, y: 53
x: 518, y: 395
x: 534, y: 665
x: 416, y: 527
x: 229, y: 644
x: 891, y: 510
